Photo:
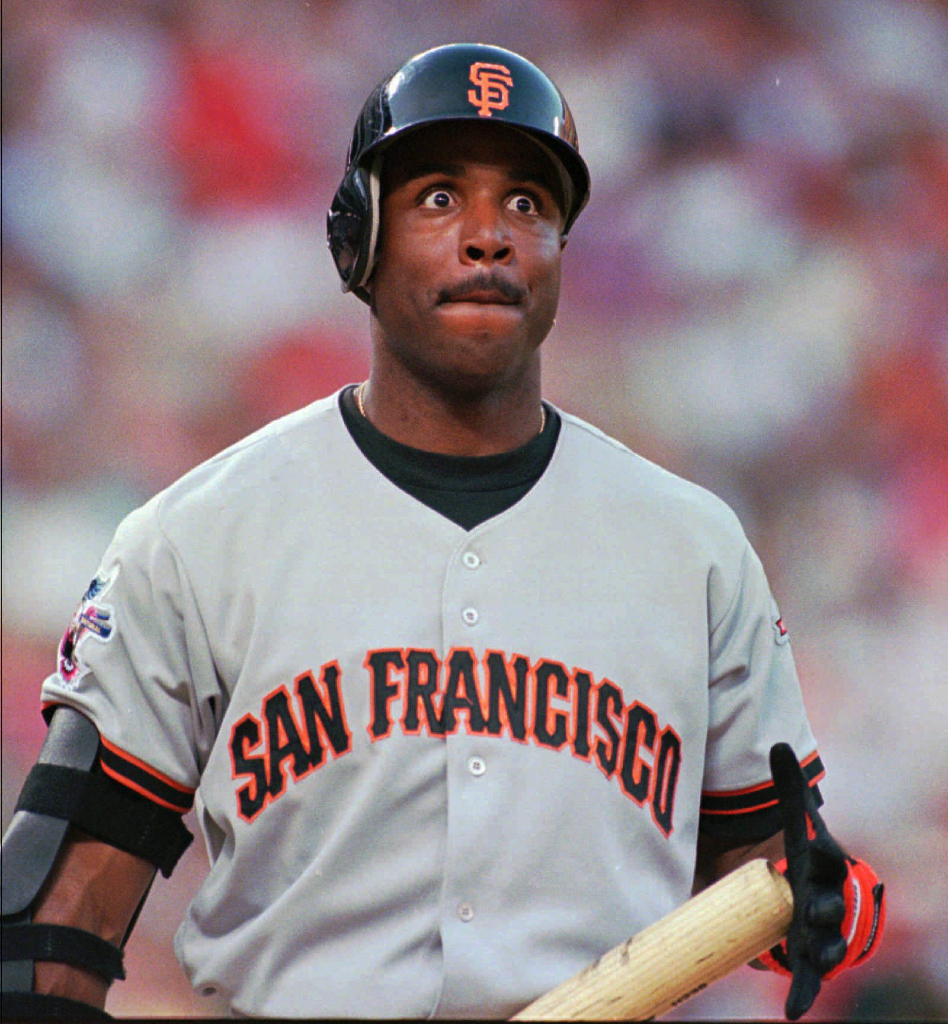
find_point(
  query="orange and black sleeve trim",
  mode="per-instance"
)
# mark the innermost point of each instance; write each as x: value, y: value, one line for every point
x: 143, y: 779
x: 752, y: 813
x: 117, y: 799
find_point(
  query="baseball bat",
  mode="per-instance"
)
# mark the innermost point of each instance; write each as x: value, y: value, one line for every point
x: 724, y: 926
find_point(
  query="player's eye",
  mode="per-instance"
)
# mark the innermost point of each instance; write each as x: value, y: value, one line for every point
x: 437, y: 199
x: 524, y: 203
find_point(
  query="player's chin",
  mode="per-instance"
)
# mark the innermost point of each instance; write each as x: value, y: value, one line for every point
x: 478, y: 365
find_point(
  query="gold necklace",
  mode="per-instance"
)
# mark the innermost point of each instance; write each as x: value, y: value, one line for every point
x: 361, y: 407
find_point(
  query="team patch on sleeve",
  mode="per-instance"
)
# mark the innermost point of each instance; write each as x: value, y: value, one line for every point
x: 143, y: 779
x: 781, y: 633
x: 93, y: 618
x: 726, y: 803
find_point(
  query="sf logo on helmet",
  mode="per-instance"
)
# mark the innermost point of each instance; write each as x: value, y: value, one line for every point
x: 493, y: 82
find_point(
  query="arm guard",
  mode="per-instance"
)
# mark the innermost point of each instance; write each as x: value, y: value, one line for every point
x: 62, y: 789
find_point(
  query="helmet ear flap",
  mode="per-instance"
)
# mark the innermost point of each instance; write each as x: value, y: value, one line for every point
x: 347, y: 223
x: 352, y: 226
x: 352, y: 221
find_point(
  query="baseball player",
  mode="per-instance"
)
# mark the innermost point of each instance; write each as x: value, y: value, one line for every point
x: 463, y: 691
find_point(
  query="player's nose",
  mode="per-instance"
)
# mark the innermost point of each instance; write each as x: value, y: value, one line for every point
x: 485, y: 237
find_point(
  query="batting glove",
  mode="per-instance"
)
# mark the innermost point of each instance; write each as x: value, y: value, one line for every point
x: 838, y: 901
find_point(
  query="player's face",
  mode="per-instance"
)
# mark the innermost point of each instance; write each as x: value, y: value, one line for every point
x: 468, y: 274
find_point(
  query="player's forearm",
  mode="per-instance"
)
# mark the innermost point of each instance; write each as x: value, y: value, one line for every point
x: 54, y: 979
x: 97, y: 888
x: 716, y: 859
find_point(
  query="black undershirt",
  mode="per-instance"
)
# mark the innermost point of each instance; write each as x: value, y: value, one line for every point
x: 466, y: 489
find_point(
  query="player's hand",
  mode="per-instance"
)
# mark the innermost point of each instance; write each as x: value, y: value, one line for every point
x: 838, y: 902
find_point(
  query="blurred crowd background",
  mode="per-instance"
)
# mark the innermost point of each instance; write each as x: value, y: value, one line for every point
x: 756, y: 297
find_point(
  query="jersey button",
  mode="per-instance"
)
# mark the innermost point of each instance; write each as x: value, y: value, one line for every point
x: 476, y: 765
x: 470, y: 616
x: 470, y: 560
x: 466, y: 912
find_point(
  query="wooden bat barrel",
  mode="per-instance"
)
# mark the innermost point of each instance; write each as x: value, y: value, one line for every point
x: 721, y: 928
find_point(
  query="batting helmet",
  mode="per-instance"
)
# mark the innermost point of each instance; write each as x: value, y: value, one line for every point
x: 456, y: 82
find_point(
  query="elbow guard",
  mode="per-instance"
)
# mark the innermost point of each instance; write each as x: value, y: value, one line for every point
x: 64, y: 789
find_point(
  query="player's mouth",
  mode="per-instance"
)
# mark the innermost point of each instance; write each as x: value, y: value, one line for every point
x: 483, y: 289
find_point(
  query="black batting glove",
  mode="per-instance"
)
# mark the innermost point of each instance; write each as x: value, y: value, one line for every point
x: 817, y: 868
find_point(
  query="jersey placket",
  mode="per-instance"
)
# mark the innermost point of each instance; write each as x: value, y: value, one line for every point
x: 468, y: 900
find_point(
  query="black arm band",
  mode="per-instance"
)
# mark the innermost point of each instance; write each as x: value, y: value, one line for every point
x: 742, y: 829
x: 64, y: 945
x: 101, y: 807
x: 34, y: 1006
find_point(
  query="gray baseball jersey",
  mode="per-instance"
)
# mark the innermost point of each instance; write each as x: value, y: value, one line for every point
x: 437, y: 770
